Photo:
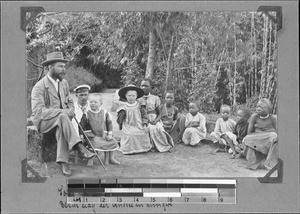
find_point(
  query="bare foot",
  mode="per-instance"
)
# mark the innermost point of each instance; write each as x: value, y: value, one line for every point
x: 114, y: 161
x: 218, y: 150
x: 233, y: 156
x: 106, y: 163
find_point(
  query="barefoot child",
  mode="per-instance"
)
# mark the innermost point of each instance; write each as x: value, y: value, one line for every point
x: 99, y: 122
x: 261, y: 140
x: 234, y: 140
x: 195, y: 126
x: 133, y: 121
x: 223, y: 125
x: 173, y: 121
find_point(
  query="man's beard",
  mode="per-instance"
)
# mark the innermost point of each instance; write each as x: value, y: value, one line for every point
x: 58, y: 76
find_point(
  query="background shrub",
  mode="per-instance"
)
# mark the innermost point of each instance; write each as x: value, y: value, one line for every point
x: 78, y: 76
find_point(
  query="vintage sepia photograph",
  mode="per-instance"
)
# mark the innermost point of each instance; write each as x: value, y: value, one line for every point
x: 152, y: 94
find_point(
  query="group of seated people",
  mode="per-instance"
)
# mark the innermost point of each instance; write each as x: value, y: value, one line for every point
x: 148, y: 125
x: 145, y: 123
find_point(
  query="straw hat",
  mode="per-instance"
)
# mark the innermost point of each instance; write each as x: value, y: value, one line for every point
x: 123, y: 91
x: 54, y: 57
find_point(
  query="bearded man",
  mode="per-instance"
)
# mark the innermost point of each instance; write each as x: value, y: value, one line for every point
x: 52, y: 108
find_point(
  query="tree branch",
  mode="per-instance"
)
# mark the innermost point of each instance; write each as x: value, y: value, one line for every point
x: 34, y: 63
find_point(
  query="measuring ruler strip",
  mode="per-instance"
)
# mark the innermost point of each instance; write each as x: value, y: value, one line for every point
x: 151, y: 190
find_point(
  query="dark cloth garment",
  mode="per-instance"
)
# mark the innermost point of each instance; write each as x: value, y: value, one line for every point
x: 121, y: 116
x: 240, y: 130
x: 84, y: 124
x: 168, y: 120
x: 100, y: 123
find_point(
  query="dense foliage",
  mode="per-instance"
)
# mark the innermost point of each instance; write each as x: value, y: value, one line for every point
x: 214, y: 57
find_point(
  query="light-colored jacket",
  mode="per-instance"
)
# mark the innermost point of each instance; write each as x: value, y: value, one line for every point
x: 45, y: 102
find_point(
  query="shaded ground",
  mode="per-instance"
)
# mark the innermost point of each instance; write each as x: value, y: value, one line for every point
x: 184, y: 161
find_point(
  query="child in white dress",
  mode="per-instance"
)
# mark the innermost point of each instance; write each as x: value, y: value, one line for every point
x: 195, y: 126
x: 133, y: 121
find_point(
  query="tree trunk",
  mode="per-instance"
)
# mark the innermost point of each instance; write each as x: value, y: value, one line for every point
x: 264, y: 59
x: 250, y: 85
x: 255, y: 73
x: 252, y: 49
x: 274, y: 98
x: 151, y: 55
x: 270, y: 69
x: 235, y: 70
x: 169, y: 74
x: 255, y: 66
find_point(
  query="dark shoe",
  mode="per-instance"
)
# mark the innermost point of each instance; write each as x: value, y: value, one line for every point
x: 83, y: 152
x: 64, y: 167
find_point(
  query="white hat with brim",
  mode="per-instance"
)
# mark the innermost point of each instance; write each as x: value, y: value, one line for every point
x: 81, y: 87
x: 54, y: 57
x: 122, y: 92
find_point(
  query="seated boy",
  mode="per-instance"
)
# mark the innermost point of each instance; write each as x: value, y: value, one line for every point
x: 99, y: 121
x: 223, y: 125
x: 234, y: 140
x: 195, y: 130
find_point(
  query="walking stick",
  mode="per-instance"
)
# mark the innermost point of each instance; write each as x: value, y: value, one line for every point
x: 91, y: 145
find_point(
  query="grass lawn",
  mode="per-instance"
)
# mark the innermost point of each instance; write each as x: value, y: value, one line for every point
x: 183, y: 161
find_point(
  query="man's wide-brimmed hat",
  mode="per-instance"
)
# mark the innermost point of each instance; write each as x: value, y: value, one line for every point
x: 123, y: 91
x: 54, y: 57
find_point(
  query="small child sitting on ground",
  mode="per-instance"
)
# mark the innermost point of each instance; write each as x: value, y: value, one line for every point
x: 99, y: 121
x: 261, y: 141
x: 223, y: 125
x: 234, y: 140
x: 133, y: 121
x: 195, y: 126
x: 173, y: 121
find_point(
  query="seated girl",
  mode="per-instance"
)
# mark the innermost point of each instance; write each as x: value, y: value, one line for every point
x: 261, y: 141
x: 161, y: 140
x: 173, y: 121
x: 195, y: 130
x: 133, y: 121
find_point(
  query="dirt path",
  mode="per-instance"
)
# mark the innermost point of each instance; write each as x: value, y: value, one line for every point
x: 184, y: 161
